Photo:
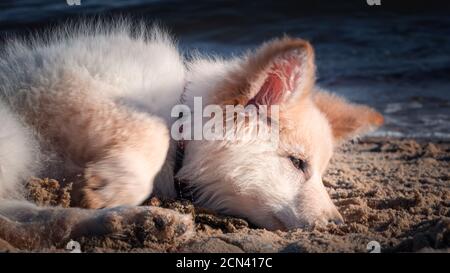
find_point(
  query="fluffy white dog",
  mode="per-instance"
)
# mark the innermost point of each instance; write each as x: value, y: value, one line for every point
x: 97, y: 101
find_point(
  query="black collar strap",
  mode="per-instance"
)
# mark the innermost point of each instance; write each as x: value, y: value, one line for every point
x: 181, y: 186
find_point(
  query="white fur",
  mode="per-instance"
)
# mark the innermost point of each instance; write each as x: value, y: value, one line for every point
x: 205, y: 73
x: 18, y: 153
x: 134, y: 69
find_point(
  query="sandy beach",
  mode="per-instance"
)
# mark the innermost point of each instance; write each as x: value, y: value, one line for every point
x: 392, y: 191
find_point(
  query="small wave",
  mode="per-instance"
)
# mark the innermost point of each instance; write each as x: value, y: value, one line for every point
x: 396, y: 107
x: 396, y: 134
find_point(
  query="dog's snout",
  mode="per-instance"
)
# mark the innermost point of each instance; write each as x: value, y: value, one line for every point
x: 336, y: 218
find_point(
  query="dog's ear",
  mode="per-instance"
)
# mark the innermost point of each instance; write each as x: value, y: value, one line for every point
x: 347, y: 120
x: 279, y: 72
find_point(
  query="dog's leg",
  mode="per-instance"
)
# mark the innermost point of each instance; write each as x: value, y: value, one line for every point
x: 19, y: 153
x: 122, y: 172
x: 120, y: 149
x: 27, y: 227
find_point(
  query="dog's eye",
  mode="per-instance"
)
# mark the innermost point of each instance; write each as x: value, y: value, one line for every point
x: 302, y: 165
x: 298, y: 163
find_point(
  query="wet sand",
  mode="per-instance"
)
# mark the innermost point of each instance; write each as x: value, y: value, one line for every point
x: 392, y: 191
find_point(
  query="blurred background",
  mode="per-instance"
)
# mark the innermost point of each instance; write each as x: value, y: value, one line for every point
x: 394, y: 57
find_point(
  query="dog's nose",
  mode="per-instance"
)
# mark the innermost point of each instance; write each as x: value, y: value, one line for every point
x: 336, y: 218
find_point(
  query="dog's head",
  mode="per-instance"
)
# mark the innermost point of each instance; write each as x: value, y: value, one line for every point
x: 275, y: 188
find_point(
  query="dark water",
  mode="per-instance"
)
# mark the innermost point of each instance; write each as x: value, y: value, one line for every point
x: 395, y: 57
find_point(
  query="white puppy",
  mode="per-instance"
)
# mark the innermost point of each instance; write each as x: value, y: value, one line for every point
x: 100, y: 99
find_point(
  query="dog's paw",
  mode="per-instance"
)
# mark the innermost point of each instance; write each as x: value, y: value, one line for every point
x: 94, y: 193
x: 115, y: 181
